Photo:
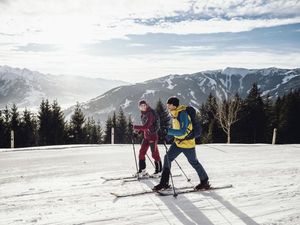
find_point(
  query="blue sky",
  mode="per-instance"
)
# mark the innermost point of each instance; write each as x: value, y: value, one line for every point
x: 137, y: 40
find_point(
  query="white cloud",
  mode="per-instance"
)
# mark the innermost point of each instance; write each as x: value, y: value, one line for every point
x: 86, y: 21
x: 136, y: 45
x: 70, y: 24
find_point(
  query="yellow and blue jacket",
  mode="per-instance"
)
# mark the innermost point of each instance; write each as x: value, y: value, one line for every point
x: 181, y: 127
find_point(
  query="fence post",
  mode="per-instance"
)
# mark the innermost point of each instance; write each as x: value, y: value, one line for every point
x: 274, y: 136
x: 12, y: 139
x: 112, y: 135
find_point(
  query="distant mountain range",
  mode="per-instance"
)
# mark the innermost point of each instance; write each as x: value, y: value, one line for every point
x: 27, y: 88
x: 192, y: 89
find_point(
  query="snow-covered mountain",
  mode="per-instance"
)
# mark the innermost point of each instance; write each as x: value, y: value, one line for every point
x: 27, y: 88
x: 192, y: 89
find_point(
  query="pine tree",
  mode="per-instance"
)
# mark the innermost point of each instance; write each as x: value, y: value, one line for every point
x: 45, y: 117
x: 2, y: 131
x: 88, y: 131
x: 164, y: 119
x: 15, y: 119
x: 108, y: 126
x: 94, y: 133
x: 280, y: 108
x: 6, y: 116
x: 77, y: 121
x: 7, y: 127
x: 255, y: 118
x: 15, y: 125
x: 207, y: 116
x: 129, y: 130
x: 121, y: 128
x: 288, y: 118
x: 270, y: 113
x: 294, y: 119
x: 68, y: 136
x: 57, y: 125
x: 28, y: 129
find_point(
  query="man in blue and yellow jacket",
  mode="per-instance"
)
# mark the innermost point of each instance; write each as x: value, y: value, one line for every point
x: 181, y: 128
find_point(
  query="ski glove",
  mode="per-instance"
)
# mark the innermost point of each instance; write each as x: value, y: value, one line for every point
x: 169, y: 138
x: 164, y: 131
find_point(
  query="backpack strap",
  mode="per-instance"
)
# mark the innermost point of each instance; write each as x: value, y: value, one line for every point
x: 178, y: 118
x: 154, y: 114
x: 189, y: 131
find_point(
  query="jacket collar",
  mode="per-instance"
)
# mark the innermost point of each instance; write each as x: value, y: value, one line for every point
x: 174, y: 113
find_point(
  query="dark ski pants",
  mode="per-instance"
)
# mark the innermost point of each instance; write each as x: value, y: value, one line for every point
x: 154, y: 150
x: 190, y: 154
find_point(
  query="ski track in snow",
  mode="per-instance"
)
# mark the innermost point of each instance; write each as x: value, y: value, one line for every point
x: 62, y: 185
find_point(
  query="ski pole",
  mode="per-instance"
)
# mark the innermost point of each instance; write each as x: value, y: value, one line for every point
x: 169, y: 164
x: 188, y: 179
x: 137, y: 170
x: 150, y: 160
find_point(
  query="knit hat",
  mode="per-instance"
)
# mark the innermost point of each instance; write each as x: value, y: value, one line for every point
x: 173, y: 101
x: 142, y: 102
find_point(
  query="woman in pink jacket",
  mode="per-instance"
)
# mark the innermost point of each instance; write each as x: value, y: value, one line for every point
x: 149, y: 127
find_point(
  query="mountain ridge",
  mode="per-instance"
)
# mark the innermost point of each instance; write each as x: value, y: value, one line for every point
x: 192, y: 89
x: 27, y: 88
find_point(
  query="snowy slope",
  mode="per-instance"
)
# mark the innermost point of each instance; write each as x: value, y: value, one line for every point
x: 62, y: 185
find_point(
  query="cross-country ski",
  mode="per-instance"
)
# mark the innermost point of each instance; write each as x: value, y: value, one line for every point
x: 169, y: 191
x: 190, y: 190
x: 128, y: 194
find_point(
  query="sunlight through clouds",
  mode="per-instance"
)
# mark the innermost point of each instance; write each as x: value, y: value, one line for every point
x: 94, y: 38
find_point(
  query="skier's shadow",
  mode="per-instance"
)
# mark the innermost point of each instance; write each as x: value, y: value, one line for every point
x: 187, y: 213
x: 243, y: 216
x: 184, y: 210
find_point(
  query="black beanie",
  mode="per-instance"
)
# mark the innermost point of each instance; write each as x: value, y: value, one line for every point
x: 174, y: 101
x: 142, y: 102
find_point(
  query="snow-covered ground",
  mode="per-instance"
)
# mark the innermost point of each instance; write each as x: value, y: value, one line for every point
x: 63, y: 186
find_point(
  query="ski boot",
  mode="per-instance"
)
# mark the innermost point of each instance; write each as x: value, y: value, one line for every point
x: 142, y: 174
x: 158, y: 168
x: 164, y: 181
x: 204, y: 185
x: 161, y: 187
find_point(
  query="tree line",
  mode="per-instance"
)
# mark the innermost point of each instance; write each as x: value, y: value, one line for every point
x: 251, y: 120
x: 234, y: 120
x: 48, y: 127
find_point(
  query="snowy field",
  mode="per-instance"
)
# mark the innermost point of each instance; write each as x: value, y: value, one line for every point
x: 62, y: 185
